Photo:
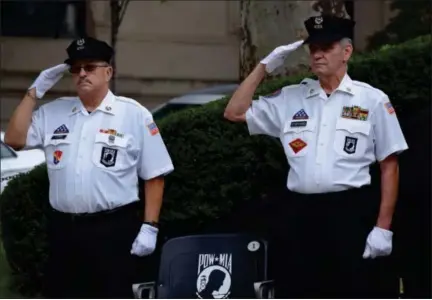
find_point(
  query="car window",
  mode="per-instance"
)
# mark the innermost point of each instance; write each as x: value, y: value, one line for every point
x: 168, y: 109
x: 6, y: 152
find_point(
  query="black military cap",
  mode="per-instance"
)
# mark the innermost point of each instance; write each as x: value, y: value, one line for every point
x: 89, y: 48
x: 326, y: 29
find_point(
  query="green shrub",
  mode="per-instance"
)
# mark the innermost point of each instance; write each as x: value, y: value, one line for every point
x: 221, y: 172
x: 413, y: 18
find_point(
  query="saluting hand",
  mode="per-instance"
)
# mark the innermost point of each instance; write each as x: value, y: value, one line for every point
x: 47, y: 79
x: 277, y: 57
x: 145, y: 242
x: 378, y: 243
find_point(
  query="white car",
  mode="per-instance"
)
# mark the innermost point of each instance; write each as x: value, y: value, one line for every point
x: 194, y: 98
x: 17, y: 162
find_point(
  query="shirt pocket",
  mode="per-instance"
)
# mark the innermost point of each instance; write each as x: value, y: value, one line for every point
x: 110, y: 152
x: 351, y: 137
x: 57, y: 151
x: 298, y: 136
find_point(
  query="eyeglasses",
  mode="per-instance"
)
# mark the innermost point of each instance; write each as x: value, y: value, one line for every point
x: 87, y: 68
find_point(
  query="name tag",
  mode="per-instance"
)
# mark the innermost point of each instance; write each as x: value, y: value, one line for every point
x: 298, y: 123
x: 59, y: 137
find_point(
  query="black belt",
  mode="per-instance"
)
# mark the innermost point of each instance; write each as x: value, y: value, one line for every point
x: 121, y: 210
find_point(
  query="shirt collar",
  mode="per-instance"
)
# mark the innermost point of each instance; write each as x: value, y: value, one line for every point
x: 107, y: 105
x: 346, y: 86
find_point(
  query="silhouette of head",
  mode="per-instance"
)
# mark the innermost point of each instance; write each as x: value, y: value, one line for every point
x: 216, y: 280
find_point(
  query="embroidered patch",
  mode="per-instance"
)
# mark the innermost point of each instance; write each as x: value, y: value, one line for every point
x: 59, y: 136
x: 108, y: 157
x: 60, y: 133
x: 57, y: 156
x: 389, y: 108
x: 355, y: 112
x: 112, y: 132
x: 297, y: 145
x: 350, y: 145
x: 298, y: 124
x: 153, y: 128
x: 61, y: 129
x: 300, y: 115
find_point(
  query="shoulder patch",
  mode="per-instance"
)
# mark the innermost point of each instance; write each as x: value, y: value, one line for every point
x: 389, y: 107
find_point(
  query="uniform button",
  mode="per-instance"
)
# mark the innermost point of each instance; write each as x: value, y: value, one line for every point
x: 324, y: 125
x: 321, y: 144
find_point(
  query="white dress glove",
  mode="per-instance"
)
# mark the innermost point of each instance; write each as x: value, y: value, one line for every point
x: 378, y: 243
x: 145, y: 242
x: 277, y: 57
x: 47, y: 79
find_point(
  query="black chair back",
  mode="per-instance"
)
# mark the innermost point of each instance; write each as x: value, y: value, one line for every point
x: 212, y: 266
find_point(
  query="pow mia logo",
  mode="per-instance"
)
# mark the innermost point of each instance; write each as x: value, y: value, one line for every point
x: 108, y: 157
x: 350, y: 145
x: 214, y: 276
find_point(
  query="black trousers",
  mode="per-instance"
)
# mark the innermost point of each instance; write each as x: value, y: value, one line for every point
x: 90, y: 255
x: 319, y: 241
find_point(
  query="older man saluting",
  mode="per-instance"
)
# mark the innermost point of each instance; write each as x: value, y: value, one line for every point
x: 96, y: 145
x: 332, y: 129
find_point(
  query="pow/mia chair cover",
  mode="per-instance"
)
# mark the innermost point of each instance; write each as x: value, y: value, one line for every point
x: 211, y: 267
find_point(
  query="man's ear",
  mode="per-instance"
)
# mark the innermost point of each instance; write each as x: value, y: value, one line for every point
x: 109, y: 73
x: 348, y: 52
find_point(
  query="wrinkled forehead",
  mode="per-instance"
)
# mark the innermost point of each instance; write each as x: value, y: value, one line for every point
x: 323, y: 46
x: 82, y: 62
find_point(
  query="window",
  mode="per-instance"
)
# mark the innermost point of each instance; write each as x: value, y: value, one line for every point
x: 6, y: 152
x: 43, y: 18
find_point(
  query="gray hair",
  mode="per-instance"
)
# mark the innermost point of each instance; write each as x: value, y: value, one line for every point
x: 345, y: 42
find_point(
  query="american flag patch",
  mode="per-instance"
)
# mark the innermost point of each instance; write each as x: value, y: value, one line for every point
x: 389, y: 107
x: 61, y: 129
x: 301, y: 115
x: 153, y: 128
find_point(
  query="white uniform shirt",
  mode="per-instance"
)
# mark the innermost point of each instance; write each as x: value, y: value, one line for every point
x: 329, y: 141
x: 94, y: 160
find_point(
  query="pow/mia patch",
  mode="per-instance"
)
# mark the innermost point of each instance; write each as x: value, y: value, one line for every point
x: 108, y: 157
x: 350, y: 145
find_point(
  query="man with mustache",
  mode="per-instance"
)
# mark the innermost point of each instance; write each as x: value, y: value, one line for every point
x: 331, y: 129
x: 96, y: 145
